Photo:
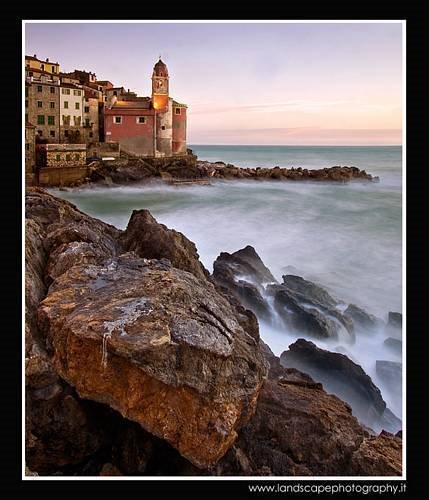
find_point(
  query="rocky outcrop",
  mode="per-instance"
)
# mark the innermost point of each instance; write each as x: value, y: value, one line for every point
x: 308, y: 309
x: 362, y: 320
x: 390, y: 372
x: 299, y: 429
x: 344, y: 378
x: 149, y: 239
x: 395, y: 345
x: 394, y: 325
x: 139, y: 365
x: 244, y: 275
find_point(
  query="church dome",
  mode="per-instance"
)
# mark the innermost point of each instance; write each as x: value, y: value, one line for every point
x: 160, y: 69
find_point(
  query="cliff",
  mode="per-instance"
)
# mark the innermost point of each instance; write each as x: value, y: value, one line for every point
x: 140, y: 362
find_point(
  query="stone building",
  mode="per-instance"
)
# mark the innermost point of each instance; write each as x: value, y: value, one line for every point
x: 71, y: 113
x: 42, y: 102
x: 148, y: 126
x: 30, y: 152
x: 33, y: 63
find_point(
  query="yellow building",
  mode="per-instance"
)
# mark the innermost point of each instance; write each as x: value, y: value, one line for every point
x: 32, y: 62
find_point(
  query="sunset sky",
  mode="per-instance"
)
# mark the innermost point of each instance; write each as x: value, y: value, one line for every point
x: 292, y: 84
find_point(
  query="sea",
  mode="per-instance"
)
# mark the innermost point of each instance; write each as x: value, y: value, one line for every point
x: 345, y: 237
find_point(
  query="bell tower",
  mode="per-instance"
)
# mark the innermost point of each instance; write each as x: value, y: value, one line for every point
x: 160, y: 86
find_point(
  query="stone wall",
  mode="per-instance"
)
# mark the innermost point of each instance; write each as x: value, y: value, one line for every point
x: 65, y: 158
x: 62, y: 176
x: 104, y: 149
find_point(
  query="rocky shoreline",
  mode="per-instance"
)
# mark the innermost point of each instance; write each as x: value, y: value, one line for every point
x: 139, y: 362
x: 189, y: 169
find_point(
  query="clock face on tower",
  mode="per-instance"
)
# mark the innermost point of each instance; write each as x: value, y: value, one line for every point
x: 160, y: 85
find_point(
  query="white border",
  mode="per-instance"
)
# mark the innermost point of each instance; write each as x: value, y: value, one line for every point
x: 226, y: 478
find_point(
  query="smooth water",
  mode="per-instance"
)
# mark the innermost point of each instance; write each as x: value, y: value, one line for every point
x: 347, y: 237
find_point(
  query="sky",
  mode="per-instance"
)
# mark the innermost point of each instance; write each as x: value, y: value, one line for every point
x: 250, y: 83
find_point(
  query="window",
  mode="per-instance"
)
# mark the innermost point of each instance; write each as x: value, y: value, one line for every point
x: 26, y: 117
x: 51, y: 120
x: 68, y: 157
x: 52, y: 133
x: 39, y: 133
x: 58, y: 157
x: 76, y: 156
x: 76, y: 92
x: 117, y: 119
x: 66, y: 105
x: 26, y: 91
x: 26, y: 103
x: 53, y: 69
x: 141, y: 119
x: 115, y: 93
x: 86, y: 109
x: 178, y: 111
x: 65, y: 91
x: 66, y: 133
x: 52, y: 90
x: 27, y: 146
x: 87, y: 122
x: 77, y: 105
x: 39, y: 104
x: 40, y: 119
x: 163, y: 127
x: 42, y: 67
x: 30, y: 73
x: 76, y: 121
x: 39, y: 88
x: 52, y: 105
x: 91, y: 134
x: 66, y: 119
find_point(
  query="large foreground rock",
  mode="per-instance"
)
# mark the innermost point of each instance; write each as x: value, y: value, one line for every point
x: 160, y: 346
x: 344, y: 378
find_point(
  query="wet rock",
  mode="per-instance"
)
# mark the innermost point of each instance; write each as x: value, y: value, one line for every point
x: 308, y: 291
x: 340, y: 376
x: 151, y: 240
x: 362, y: 320
x: 395, y: 345
x: 158, y: 345
x: 394, y: 325
x: 244, y: 275
x: 390, y: 372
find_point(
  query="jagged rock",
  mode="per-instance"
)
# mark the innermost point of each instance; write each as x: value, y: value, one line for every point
x: 378, y: 456
x: 244, y: 275
x: 151, y: 240
x: 309, y: 309
x: 309, y: 291
x: 160, y: 346
x: 168, y: 350
x: 395, y: 319
x: 362, y: 320
x: 390, y: 372
x: 342, y: 377
x: 395, y: 345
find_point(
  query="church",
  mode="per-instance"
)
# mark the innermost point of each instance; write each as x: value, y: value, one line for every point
x: 147, y: 126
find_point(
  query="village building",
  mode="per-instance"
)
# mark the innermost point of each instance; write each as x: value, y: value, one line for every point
x: 71, y: 113
x: 30, y: 152
x: 65, y: 155
x: 42, y: 102
x: 33, y: 63
x: 147, y: 126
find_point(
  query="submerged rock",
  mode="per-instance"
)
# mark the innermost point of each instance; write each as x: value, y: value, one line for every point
x: 395, y: 345
x: 343, y: 377
x: 390, y: 372
x: 394, y: 325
